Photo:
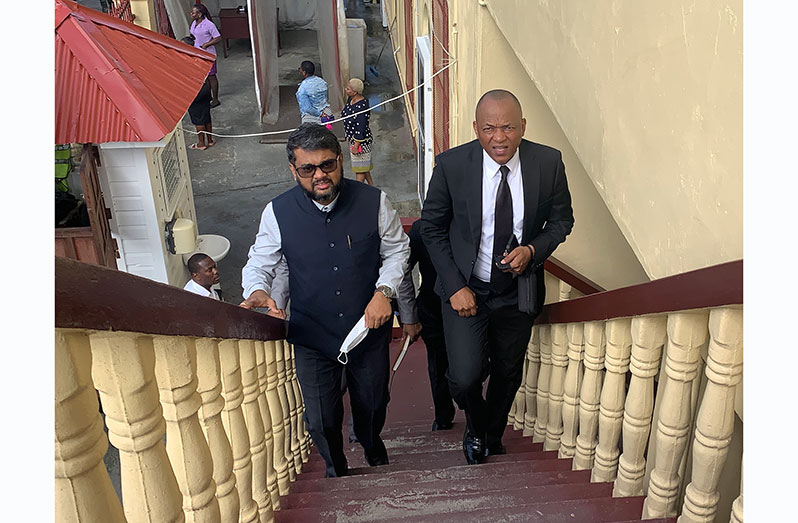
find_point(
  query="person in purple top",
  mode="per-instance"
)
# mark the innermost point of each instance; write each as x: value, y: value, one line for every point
x: 206, y: 36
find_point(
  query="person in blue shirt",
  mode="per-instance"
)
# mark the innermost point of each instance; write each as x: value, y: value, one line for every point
x: 312, y: 95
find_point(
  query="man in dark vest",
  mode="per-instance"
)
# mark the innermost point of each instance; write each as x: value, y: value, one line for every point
x: 346, y: 254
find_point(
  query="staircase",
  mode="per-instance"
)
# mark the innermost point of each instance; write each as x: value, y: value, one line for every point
x: 427, y: 480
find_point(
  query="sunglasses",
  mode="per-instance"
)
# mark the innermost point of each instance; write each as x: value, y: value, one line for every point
x: 308, y: 170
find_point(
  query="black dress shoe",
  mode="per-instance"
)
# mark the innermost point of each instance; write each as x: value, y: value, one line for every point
x: 376, y: 455
x: 495, y: 450
x: 441, y: 426
x: 473, y: 448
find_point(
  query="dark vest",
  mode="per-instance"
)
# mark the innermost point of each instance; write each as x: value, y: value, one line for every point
x: 333, y: 262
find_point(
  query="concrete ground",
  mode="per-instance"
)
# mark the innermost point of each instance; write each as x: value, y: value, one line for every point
x: 234, y: 180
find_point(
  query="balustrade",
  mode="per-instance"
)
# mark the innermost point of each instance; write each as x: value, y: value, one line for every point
x: 276, y: 410
x: 541, y: 416
x: 268, y: 436
x: 295, y: 460
x: 531, y: 379
x: 590, y: 396
x: 559, y: 361
x: 573, y: 381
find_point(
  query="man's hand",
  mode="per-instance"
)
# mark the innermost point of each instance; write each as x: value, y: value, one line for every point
x: 518, y: 259
x: 411, y: 330
x: 261, y: 300
x: 378, y: 311
x: 464, y: 303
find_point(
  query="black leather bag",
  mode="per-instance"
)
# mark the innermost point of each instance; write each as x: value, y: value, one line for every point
x: 528, y: 293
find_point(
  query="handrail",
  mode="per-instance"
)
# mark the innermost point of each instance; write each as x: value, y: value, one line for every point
x: 94, y: 297
x: 702, y: 288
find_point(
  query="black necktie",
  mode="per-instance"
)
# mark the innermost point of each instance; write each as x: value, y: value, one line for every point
x: 503, y: 229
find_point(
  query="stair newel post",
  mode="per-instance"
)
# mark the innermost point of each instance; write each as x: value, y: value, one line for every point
x: 613, y: 395
x: 304, y: 437
x: 518, y: 409
x: 176, y: 376
x: 590, y: 396
x: 543, y: 385
x: 276, y: 411
x: 236, y: 428
x: 531, y: 376
x: 737, y: 505
x: 687, y: 332
x: 715, y: 422
x: 559, y: 361
x: 286, y: 409
x: 255, y: 430
x: 295, y: 460
x: 209, y: 386
x: 123, y: 370
x: 648, y: 338
x: 573, y: 382
x: 268, y: 437
x: 83, y: 490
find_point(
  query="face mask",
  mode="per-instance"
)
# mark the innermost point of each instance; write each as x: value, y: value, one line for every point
x: 355, y: 336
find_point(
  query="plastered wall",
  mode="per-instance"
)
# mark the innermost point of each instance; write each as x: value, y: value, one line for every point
x: 649, y: 95
x: 596, y: 247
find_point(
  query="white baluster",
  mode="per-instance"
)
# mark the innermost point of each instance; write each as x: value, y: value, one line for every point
x: 565, y: 291
x: 255, y: 430
x: 648, y: 337
x: 737, y: 506
x: 304, y: 437
x: 619, y: 348
x: 295, y: 460
x: 590, y: 396
x: 517, y: 411
x: 286, y: 409
x: 559, y: 361
x: 687, y: 332
x: 543, y: 384
x: 531, y: 378
x: 175, y: 373
x: 268, y: 437
x: 123, y: 371
x: 573, y: 381
x: 209, y: 386
x: 715, y: 421
x: 236, y: 428
x: 83, y: 490
x: 276, y: 411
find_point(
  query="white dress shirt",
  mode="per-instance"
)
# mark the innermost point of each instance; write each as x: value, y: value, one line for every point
x: 491, y: 176
x: 266, y: 252
x: 196, y: 288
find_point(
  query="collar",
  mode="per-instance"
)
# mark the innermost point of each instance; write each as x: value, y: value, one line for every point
x: 330, y: 206
x: 490, y: 166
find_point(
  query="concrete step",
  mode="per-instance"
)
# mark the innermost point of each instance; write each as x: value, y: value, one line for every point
x: 436, y: 488
x: 462, y: 472
x: 407, y: 502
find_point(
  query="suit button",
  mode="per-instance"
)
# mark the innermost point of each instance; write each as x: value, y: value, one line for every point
x: 340, y: 314
x: 332, y: 244
x: 335, y: 267
x: 328, y: 220
x: 337, y: 293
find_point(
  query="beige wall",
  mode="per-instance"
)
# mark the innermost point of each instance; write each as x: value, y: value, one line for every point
x: 396, y: 16
x: 649, y: 94
x: 145, y: 14
x: 596, y: 248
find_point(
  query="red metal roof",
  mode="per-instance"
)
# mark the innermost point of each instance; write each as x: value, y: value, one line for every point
x: 118, y: 82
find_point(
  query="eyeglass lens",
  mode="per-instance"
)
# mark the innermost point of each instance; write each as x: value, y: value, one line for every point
x: 327, y: 166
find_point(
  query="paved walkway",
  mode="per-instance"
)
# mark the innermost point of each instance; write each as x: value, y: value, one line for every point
x: 234, y: 180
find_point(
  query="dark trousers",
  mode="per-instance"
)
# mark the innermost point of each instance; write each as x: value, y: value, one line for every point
x: 367, y: 376
x: 491, y: 343
x: 437, y: 361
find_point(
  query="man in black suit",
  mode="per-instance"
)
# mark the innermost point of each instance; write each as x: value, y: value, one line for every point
x: 496, y: 208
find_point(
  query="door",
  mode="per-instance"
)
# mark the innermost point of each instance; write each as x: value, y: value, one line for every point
x: 95, y: 206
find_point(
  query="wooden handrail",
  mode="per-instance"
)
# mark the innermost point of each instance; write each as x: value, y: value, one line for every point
x: 708, y: 287
x: 94, y: 297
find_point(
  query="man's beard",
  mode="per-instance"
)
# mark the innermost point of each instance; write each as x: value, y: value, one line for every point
x: 335, y: 188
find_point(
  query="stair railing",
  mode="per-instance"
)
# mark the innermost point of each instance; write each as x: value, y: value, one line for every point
x: 216, y: 380
x: 615, y: 380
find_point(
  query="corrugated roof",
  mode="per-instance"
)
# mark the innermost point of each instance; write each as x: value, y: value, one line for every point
x: 118, y: 82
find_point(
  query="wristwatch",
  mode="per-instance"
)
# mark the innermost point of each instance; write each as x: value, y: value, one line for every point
x: 386, y: 291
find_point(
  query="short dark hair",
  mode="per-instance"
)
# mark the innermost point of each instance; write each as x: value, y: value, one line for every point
x: 194, y: 262
x: 312, y: 137
x: 308, y: 67
x: 498, y: 94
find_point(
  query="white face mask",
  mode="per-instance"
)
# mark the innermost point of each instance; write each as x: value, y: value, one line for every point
x: 355, y: 336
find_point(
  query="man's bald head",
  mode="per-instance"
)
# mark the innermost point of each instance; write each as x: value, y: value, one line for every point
x: 497, y: 95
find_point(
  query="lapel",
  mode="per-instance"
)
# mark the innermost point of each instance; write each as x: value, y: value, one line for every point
x: 473, y: 187
x: 530, y: 173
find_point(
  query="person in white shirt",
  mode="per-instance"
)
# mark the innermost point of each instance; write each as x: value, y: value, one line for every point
x: 204, y: 274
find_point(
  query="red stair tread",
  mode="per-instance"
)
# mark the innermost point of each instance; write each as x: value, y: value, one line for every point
x: 408, y: 501
x: 440, y: 487
x: 461, y: 472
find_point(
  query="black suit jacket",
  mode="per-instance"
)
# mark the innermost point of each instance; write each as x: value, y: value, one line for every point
x: 451, y: 219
